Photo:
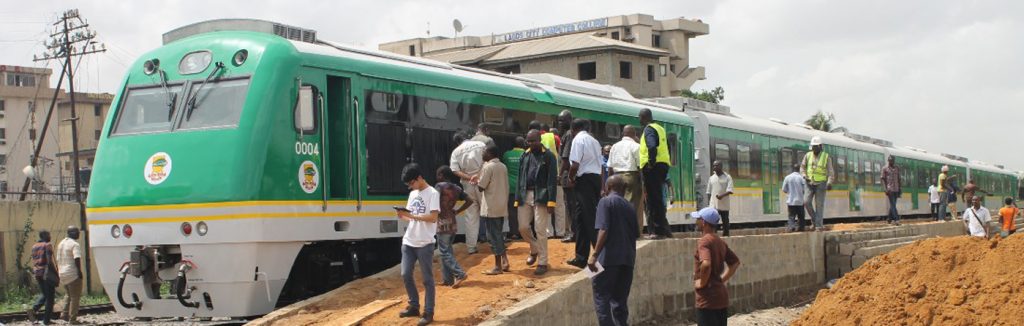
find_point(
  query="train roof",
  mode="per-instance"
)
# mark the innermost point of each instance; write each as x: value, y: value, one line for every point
x: 769, y: 127
x: 917, y: 154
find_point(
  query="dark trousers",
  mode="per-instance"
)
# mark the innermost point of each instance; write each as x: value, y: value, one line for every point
x: 935, y: 211
x: 796, y: 212
x: 588, y: 192
x: 47, y: 289
x: 712, y: 317
x: 654, y: 182
x: 725, y: 222
x: 611, y: 295
x: 513, y: 216
x: 894, y: 216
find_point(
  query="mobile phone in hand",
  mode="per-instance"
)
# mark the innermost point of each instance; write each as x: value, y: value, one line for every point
x: 399, y: 208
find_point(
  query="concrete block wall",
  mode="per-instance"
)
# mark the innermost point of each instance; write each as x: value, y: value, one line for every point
x: 773, y: 268
x: 847, y: 250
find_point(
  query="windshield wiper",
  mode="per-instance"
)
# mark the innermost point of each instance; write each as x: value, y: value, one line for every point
x: 171, y: 97
x: 191, y: 102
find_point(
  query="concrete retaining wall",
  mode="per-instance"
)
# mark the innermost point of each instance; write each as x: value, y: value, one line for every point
x: 53, y: 216
x: 773, y: 268
x: 847, y: 250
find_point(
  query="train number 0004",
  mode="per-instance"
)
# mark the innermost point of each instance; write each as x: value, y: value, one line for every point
x: 307, y: 148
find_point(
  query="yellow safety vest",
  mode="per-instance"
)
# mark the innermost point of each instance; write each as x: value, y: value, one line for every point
x: 818, y: 171
x: 662, y: 156
x: 548, y: 140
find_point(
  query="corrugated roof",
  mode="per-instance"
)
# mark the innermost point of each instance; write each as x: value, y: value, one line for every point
x: 540, y: 48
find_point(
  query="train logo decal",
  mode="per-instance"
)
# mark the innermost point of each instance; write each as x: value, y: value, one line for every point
x: 158, y: 168
x: 309, y: 177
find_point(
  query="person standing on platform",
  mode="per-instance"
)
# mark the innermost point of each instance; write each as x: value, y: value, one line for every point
x: 893, y: 189
x: 817, y: 169
x: 421, y: 211
x: 1007, y: 214
x: 466, y: 160
x: 605, y: 151
x: 494, y: 207
x: 714, y: 265
x: 654, y: 164
x: 719, y: 191
x: 933, y: 198
x: 69, y: 265
x: 624, y: 161
x: 585, y: 180
x: 616, y: 252
x: 943, y: 184
x: 450, y: 193
x: 794, y: 186
x: 534, y: 198
x: 511, y: 159
x: 568, y: 221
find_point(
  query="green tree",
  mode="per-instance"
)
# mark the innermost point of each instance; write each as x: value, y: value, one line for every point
x: 821, y: 121
x: 714, y: 96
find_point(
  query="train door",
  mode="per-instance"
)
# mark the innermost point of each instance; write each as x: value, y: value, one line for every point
x: 770, y: 168
x: 701, y: 156
x: 342, y: 139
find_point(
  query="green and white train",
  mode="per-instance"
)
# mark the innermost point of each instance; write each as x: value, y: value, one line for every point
x: 270, y: 162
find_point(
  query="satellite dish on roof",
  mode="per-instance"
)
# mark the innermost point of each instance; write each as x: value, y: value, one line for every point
x: 458, y: 26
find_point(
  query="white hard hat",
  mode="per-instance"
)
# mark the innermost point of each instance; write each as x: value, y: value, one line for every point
x: 816, y: 141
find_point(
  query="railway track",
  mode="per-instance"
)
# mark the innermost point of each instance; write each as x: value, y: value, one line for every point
x: 21, y: 316
x: 9, y: 317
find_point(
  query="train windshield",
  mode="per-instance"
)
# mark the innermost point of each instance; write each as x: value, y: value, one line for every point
x: 147, y: 110
x: 216, y: 105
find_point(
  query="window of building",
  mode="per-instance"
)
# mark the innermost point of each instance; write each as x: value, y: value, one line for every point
x: 1, y: 108
x: 412, y: 50
x: 97, y: 110
x: 587, y: 70
x: 32, y: 134
x: 672, y: 68
x: 615, y: 35
x: 625, y: 70
x: 656, y: 40
x: 513, y: 69
x: 743, y: 161
x: 96, y: 134
x: 3, y: 133
x: 21, y: 80
x: 650, y: 73
x: 3, y: 160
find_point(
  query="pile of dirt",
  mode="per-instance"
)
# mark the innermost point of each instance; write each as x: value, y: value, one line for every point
x: 377, y: 300
x: 940, y: 281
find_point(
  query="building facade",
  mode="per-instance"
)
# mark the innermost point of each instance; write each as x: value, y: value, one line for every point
x: 25, y: 97
x: 645, y: 56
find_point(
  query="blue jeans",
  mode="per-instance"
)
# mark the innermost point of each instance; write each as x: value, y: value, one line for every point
x: 893, y: 214
x: 449, y: 266
x: 943, y: 203
x: 494, y: 235
x: 47, y: 289
x: 424, y: 255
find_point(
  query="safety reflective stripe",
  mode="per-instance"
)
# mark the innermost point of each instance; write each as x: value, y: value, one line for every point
x: 817, y: 170
x: 662, y: 155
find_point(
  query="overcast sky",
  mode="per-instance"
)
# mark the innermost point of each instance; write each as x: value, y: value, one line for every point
x: 943, y: 75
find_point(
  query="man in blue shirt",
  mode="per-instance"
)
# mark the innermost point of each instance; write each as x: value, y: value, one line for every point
x: 617, y: 231
x: 793, y: 186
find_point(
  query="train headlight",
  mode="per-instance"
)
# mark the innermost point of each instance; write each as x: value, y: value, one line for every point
x: 150, y: 66
x: 186, y: 228
x: 195, y: 62
x: 127, y: 230
x: 240, y: 57
x: 201, y: 228
x: 115, y: 231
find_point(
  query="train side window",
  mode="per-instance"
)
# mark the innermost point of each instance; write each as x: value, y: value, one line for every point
x: 673, y: 149
x: 722, y: 155
x: 493, y: 116
x: 386, y: 102
x: 743, y: 161
x: 787, y: 159
x: 841, y: 169
x: 868, y: 176
x: 305, y: 110
x: 436, y: 109
x: 878, y: 171
x: 614, y: 131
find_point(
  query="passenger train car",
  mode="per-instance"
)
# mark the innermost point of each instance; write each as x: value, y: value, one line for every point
x: 247, y: 164
x: 241, y: 170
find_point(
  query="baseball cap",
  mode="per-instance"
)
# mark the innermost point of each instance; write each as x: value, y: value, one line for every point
x: 708, y: 214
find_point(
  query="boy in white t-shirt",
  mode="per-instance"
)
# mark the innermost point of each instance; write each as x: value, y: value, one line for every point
x: 418, y: 243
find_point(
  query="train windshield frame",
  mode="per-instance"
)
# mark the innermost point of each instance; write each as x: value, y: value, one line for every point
x: 152, y: 109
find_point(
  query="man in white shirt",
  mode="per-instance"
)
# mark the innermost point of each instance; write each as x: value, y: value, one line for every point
x: 976, y: 218
x: 585, y: 178
x: 719, y: 190
x: 933, y: 197
x: 466, y: 161
x: 418, y: 243
x: 69, y: 267
x: 793, y: 186
x: 624, y: 161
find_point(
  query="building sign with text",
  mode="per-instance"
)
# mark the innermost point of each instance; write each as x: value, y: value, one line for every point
x: 551, y: 30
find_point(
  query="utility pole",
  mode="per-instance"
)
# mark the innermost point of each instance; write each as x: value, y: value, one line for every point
x: 70, y: 31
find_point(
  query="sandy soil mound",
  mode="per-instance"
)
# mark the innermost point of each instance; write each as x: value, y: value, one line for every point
x: 940, y: 281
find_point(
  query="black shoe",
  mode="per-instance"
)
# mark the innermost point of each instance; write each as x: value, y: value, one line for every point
x: 427, y: 319
x: 409, y: 311
x: 579, y: 263
x: 541, y: 269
